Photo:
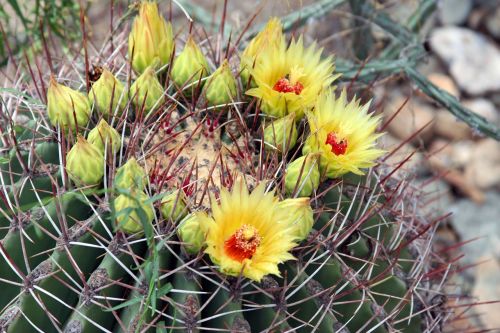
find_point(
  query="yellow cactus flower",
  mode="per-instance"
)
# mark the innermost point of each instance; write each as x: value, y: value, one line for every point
x: 244, y: 235
x: 344, y: 134
x: 151, y: 40
x: 288, y: 80
x: 271, y: 36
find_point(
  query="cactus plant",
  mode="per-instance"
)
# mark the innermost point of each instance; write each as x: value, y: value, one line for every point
x: 195, y: 225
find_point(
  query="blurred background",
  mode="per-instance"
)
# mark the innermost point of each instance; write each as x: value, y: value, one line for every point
x: 454, y: 44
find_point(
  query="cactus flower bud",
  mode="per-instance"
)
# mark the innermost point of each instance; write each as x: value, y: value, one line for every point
x: 147, y: 91
x: 151, y: 41
x: 305, y: 182
x: 270, y: 36
x: 190, y: 65
x: 103, y: 135
x: 130, y: 176
x: 105, y: 88
x: 191, y: 234
x: 67, y: 107
x: 85, y: 163
x: 173, y: 205
x: 281, y: 134
x: 221, y: 86
x: 299, y: 215
x: 139, y: 212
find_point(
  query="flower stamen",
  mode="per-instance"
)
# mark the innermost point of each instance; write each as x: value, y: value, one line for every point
x: 243, y: 243
x: 339, y: 147
x: 284, y: 86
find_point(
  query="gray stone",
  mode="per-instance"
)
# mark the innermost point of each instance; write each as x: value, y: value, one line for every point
x: 492, y: 23
x: 473, y: 60
x: 454, y: 12
x: 470, y: 221
x: 478, y: 220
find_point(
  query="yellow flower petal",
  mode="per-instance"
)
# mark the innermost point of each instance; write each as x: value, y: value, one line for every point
x: 243, y: 235
x: 350, y: 124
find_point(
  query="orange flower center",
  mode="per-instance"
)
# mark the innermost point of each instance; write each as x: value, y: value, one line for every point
x: 285, y: 86
x: 339, y: 147
x: 243, y: 243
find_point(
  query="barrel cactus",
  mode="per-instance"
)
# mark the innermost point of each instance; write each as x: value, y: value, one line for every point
x: 164, y: 208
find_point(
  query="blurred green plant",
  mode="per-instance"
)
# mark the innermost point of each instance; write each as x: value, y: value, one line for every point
x: 34, y: 17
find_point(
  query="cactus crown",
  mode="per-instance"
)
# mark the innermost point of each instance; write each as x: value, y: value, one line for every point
x: 203, y: 214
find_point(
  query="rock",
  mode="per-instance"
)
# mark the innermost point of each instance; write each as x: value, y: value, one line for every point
x: 487, y: 289
x: 450, y: 127
x: 444, y: 82
x: 484, y: 108
x: 413, y: 117
x: 416, y: 165
x: 483, y: 169
x: 492, y: 23
x: 461, y: 153
x: 452, y: 155
x: 454, y: 12
x: 436, y: 198
x: 481, y: 221
x: 474, y: 62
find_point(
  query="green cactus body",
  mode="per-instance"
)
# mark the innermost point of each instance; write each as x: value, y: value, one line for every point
x: 221, y: 225
x: 38, y: 221
x: 57, y: 268
x: 11, y: 168
x: 90, y: 317
x: 186, y: 303
x: 139, y: 315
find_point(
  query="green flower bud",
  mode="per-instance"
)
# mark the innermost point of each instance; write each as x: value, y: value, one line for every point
x: 190, y: 65
x: 190, y: 234
x: 221, y: 86
x: 105, y: 88
x: 309, y: 177
x: 147, y: 87
x: 130, y: 176
x: 103, y: 135
x: 281, y: 134
x: 65, y: 105
x: 173, y: 206
x: 299, y: 215
x: 132, y: 212
x: 151, y: 40
x: 85, y: 163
